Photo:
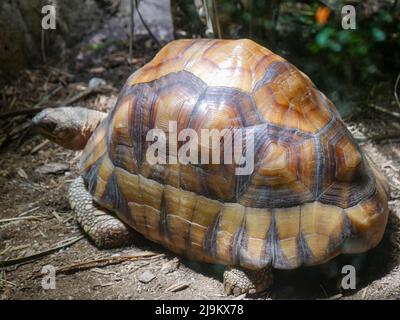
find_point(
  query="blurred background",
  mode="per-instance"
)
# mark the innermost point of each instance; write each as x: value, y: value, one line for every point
x: 351, y: 66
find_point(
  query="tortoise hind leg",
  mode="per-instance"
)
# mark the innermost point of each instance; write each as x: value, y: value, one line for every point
x: 239, y: 280
x: 104, y: 229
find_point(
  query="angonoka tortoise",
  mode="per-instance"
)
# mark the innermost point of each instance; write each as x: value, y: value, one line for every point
x: 313, y: 194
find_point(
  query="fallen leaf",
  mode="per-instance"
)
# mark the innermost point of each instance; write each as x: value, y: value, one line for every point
x: 22, y: 173
x: 52, y: 168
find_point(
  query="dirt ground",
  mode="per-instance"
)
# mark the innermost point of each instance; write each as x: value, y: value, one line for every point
x: 35, y: 215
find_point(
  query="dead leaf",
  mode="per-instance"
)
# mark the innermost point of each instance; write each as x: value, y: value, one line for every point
x: 53, y: 168
x: 22, y: 173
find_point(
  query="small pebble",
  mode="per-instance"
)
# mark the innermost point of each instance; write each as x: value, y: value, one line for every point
x: 170, y: 266
x: 96, y: 82
x: 146, y: 276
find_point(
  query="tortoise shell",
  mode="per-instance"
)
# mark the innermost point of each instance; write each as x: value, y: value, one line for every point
x: 312, y: 195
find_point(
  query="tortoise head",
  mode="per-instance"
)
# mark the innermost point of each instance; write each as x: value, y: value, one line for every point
x: 70, y: 127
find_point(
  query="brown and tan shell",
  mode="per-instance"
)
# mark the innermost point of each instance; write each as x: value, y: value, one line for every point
x: 313, y: 193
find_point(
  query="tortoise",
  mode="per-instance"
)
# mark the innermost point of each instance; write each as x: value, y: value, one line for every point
x: 313, y: 193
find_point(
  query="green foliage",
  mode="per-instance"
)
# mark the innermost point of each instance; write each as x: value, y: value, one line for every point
x: 365, y: 47
x: 345, y: 64
x: 370, y: 48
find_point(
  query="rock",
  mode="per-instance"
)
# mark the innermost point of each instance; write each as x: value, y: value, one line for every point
x: 52, y: 168
x: 170, y: 266
x: 146, y: 276
x: 96, y: 82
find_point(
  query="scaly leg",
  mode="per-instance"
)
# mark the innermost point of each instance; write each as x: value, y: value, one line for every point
x: 103, y: 228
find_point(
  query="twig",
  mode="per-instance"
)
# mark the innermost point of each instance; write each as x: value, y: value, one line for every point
x: 381, y: 137
x: 65, y: 73
x: 178, y: 287
x: 146, y: 26
x: 69, y: 101
x: 395, y: 90
x: 28, y: 211
x: 106, y: 261
x: 131, y: 29
x: 58, y: 218
x: 48, y: 96
x: 81, y: 95
x: 364, y: 293
x: 22, y: 137
x: 209, y: 25
x: 323, y: 289
x: 17, y: 134
x: 6, y: 283
x: 251, y: 20
x: 39, y: 146
x: 30, y: 258
x: 21, y: 112
x: 6, y: 225
x: 22, y: 218
x: 36, y: 106
x: 15, y: 248
x: 392, y: 113
x: 43, y: 46
x: 216, y: 19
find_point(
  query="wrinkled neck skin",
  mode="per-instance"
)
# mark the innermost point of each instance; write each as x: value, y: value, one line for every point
x: 70, y: 127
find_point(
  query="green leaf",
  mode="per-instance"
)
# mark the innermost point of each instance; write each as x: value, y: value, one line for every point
x: 344, y: 36
x: 385, y: 16
x: 335, y: 46
x: 323, y: 37
x: 378, y: 34
x: 362, y: 49
x: 247, y: 17
x: 314, y: 48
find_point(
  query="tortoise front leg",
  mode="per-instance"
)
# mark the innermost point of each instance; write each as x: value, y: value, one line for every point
x: 239, y: 280
x: 104, y: 229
